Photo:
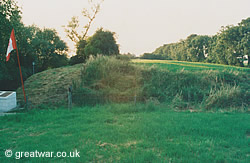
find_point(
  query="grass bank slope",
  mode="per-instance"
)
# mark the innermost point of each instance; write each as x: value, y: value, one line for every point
x: 49, y: 86
x: 108, y: 79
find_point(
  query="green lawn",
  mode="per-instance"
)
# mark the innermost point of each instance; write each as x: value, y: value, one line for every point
x: 128, y: 133
x: 179, y: 65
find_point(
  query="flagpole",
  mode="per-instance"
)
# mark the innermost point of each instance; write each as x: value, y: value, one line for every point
x: 20, y: 71
x: 21, y: 74
x: 13, y: 45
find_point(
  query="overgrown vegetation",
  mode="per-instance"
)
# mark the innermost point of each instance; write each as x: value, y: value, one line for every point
x: 207, y: 88
x: 106, y: 79
x: 116, y: 80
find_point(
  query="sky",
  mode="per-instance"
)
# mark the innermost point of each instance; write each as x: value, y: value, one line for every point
x: 141, y: 26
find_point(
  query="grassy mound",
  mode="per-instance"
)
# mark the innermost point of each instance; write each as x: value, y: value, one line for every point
x: 110, y: 79
x: 116, y: 80
x: 49, y: 86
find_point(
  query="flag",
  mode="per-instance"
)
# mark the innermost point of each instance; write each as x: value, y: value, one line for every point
x: 12, y: 45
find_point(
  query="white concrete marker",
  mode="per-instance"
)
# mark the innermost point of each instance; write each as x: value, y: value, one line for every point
x: 7, y: 100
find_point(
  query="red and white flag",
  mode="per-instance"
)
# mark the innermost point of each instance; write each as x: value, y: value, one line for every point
x: 12, y: 45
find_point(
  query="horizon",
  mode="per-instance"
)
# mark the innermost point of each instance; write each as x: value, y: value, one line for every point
x: 140, y: 26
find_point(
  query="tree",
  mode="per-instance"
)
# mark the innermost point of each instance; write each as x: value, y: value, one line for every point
x: 197, y: 47
x: 80, y: 56
x: 181, y: 51
x: 72, y: 27
x: 212, y: 55
x: 233, y: 43
x: 151, y: 56
x: 10, y: 17
x: 102, y: 42
x: 49, y: 49
x: 80, y: 39
x: 244, y: 30
x: 229, y: 46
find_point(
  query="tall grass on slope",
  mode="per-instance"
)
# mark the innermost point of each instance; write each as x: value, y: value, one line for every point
x: 110, y: 79
x: 107, y: 79
x: 225, y: 96
x: 207, y: 89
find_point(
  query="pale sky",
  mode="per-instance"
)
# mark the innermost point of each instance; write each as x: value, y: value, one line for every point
x: 140, y: 25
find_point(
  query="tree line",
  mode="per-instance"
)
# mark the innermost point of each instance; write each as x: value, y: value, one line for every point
x: 230, y: 46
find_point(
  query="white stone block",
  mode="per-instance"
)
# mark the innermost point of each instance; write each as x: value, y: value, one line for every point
x: 7, y: 100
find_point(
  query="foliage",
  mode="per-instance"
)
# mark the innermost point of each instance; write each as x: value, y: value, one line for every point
x: 102, y: 42
x: 10, y: 16
x: 197, y: 48
x: 80, y: 56
x: 43, y: 47
x: 49, y: 49
x: 152, y: 56
x: 230, y: 46
x: 233, y: 43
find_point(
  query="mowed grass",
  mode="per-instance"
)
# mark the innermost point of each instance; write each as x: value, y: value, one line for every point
x: 128, y: 133
x: 173, y: 65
